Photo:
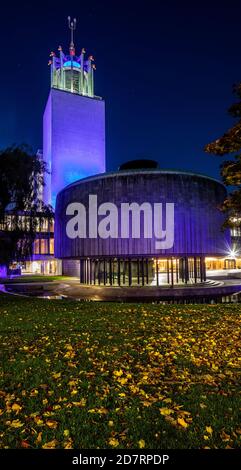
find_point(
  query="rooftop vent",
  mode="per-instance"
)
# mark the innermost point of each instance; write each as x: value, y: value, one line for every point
x: 140, y: 164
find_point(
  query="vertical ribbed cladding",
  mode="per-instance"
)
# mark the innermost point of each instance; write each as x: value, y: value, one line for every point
x: 198, y: 220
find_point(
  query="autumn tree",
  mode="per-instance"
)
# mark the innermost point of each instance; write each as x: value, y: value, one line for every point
x: 230, y: 144
x: 21, y: 207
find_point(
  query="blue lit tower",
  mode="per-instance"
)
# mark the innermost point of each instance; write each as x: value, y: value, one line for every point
x: 73, y: 122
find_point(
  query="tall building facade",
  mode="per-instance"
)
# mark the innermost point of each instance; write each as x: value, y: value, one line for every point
x: 73, y: 140
x: 73, y: 122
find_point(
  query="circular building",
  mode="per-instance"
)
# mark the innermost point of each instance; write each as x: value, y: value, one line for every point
x: 140, y: 227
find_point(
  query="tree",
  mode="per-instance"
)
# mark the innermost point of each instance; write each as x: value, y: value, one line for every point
x: 230, y: 144
x: 22, y: 210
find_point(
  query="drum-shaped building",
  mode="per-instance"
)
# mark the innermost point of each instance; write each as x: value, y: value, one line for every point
x: 140, y: 226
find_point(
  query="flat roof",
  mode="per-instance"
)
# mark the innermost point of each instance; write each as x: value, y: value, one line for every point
x: 140, y: 171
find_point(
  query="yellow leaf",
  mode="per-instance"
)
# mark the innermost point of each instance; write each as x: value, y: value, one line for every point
x: 113, y: 442
x: 102, y: 411
x: 141, y: 443
x: 69, y: 354
x: 110, y: 423
x: 39, y: 421
x: 182, y: 422
x: 48, y: 413
x: 66, y: 433
x: 146, y: 403
x: 122, y: 380
x: 16, y: 407
x: 165, y: 411
x: 56, y: 375
x: 72, y: 383
x: 15, y: 423
x: 71, y: 364
x: 52, y: 424
x: 118, y: 373
x: 167, y: 400
x: 50, y: 444
x: 39, y: 438
x: 82, y: 402
x: 68, y: 444
x: 209, y: 429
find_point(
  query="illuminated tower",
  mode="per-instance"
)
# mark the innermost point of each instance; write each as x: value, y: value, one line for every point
x: 73, y: 122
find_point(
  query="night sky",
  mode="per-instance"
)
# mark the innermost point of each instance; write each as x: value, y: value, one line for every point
x: 165, y: 69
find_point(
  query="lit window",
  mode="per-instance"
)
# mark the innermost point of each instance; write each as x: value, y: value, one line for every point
x: 36, y: 247
x: 44, y: 249
x: 51, y: 246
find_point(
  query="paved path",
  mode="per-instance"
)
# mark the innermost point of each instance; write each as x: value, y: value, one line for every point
x: 72, y: 289
x: 106, y: 293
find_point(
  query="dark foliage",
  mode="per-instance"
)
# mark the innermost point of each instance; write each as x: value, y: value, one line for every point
x: 230, y: 144
x: 21, y: 208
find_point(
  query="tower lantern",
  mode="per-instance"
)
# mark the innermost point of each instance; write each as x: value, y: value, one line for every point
x: 72, y: 72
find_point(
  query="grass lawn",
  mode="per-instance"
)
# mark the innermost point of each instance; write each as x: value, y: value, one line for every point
x: 109, y: 375
x: 32, y: 278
